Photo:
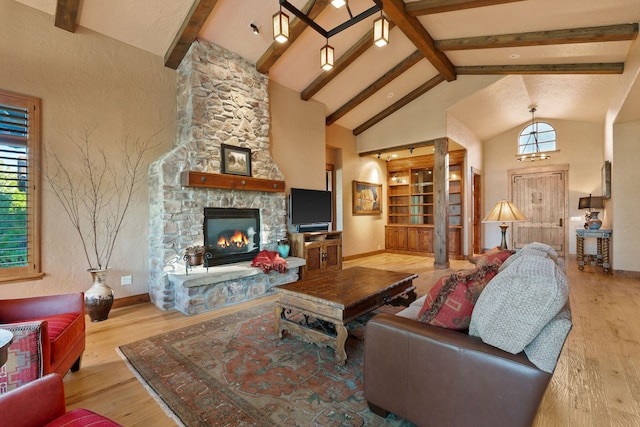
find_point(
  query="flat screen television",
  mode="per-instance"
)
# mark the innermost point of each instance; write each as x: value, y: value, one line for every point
x: 309, y: 206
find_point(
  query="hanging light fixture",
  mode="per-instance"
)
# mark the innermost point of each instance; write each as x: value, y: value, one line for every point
x: 381, y: 31
x: 326, y: 57
x: 280, y: 26
x: 532, y: 140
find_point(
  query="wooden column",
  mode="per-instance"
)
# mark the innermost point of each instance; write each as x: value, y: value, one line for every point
x: 440, y: 202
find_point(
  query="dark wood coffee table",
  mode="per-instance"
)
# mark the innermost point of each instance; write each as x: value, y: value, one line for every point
x: 317, y: 309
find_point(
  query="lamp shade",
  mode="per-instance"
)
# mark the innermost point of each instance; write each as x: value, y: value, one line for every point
x: 590, y: 202
x: 504, y: 211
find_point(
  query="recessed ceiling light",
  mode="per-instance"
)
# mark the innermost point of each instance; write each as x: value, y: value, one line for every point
x: 514, y: 55
x: 390, y: 95
x: 394, y: 155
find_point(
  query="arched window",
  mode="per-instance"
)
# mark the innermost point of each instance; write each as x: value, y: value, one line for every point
x: 537, y: 137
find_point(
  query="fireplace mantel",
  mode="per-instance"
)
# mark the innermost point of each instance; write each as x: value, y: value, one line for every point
x: 230, y: 182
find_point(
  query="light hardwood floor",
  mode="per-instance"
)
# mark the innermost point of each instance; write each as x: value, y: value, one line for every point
x: 596, y: 383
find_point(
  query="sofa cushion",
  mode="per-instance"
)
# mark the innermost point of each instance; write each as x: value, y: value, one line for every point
x: 24, y: 362
x: 81, y: 418
x: 450, y: 301
x: 519, y: 302
x: 545, y: 349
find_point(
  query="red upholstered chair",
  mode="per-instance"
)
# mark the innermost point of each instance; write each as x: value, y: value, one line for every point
x: 41, y: 403
x: 48, y: 336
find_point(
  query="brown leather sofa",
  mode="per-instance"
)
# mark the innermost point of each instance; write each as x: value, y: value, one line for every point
x: 439, y: 377
x: 50, y: 328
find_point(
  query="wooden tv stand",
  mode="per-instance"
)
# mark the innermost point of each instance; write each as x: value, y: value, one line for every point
x: 322, y: 250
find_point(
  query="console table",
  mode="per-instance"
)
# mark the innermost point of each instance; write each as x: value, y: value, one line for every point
x: 603, y: 237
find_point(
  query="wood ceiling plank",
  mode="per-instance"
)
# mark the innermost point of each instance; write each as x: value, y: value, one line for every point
x: 396, y: 71
x: 418, y: 35
x: 67, y: 14
x: 341, y: 64
x: 428, y: 7
x: 401, y: 103
x: 189, y: 30
x: 590, y: 68
x: 606, y: 33
x: 296, y: 27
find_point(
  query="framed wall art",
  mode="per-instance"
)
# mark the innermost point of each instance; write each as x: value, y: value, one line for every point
x: 367, y: 198
x: 606, y: 179
x: 235, y: 160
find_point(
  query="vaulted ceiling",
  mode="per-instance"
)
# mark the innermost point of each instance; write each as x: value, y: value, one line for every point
x: 562, y: 56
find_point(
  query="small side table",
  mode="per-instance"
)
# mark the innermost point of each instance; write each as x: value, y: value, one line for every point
x: 603, y: 237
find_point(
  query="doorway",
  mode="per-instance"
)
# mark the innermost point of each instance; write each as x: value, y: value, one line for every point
x: 541, y: 193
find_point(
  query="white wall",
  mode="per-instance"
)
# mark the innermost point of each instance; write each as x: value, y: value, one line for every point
x: 86, y: 80
x: 580, y: 146
x: 625, y: 176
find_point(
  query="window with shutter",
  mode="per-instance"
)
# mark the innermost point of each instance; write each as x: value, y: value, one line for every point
x: 19, y: 186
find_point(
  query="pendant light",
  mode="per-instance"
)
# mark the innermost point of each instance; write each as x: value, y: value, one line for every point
x: 280, y: 26
x: 326, y: 57
x: 381, y: 31
x: 533, y: 140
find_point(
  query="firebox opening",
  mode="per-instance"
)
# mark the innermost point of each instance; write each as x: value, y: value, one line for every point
x: 231, y: 235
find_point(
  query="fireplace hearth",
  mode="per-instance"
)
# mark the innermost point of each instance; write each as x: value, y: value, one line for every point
x: 231, y: 235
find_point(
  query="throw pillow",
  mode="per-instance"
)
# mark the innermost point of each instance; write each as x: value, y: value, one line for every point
x: 519, y: 302
x: 494, y: 256
x: 450, y: 301
x: 545, y: 349
x: 24, y: 363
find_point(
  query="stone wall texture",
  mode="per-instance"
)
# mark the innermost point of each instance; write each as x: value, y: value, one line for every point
x: 221, y: 99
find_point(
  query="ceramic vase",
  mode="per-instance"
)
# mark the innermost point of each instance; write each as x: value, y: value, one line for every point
x: 594, y: 222
x: 98, y: 299
x: 283, y: 249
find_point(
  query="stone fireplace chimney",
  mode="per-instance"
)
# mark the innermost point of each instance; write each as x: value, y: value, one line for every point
x: 221, y: 99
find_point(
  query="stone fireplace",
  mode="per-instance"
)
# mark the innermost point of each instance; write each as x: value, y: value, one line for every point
x: 222, y: 99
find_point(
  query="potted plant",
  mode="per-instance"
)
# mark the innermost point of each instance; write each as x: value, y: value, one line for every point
x: 194, y: 255
x: 96, y: 194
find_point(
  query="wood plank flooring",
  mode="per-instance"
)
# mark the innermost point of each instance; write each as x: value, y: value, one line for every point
x: 596, y: 383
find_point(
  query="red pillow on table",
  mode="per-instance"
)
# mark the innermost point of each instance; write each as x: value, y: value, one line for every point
x: 450, y: 301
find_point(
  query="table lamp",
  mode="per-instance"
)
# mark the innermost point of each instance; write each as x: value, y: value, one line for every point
x: 504, y: 212
x: 590, y: 203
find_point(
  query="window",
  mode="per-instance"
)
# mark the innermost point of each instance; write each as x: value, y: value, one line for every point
x: 538, y: 137
x: 19, y: 186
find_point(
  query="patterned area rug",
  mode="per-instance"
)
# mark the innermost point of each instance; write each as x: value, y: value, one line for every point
x: 234, y: 371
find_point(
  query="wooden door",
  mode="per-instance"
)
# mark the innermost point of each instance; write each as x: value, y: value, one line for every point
x: 541, y: 195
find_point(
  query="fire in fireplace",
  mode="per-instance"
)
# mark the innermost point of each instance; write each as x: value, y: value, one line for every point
x: 231, y: 235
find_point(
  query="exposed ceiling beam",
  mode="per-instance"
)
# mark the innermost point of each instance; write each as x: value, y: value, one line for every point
x: 341, y: 64
x: 428, y: 7
x: 296, y: 27
x: 607, y: 33
x: 416, y: 33
x: 67, y: 14
x: 189, y: 30
x: 396, y: 71
x: 381, y: 151
x: 399, y: 104
x: 592, y: 68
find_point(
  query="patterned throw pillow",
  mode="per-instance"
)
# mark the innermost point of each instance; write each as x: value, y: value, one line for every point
x: 494, y: 256
x: 24, y: 362
x: 450, y: 301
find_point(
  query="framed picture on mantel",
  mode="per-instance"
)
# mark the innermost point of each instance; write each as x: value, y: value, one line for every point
x: 235, y: 160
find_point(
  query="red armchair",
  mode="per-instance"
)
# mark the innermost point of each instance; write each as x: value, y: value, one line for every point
x: 41, y: 402
x: 49, y: 336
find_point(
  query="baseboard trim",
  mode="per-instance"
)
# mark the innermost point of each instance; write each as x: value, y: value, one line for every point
x: 627, y: 273
x: 363, y: 255
x: 131, y: 300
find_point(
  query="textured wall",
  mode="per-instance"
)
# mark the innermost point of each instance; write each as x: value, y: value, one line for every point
x: 86, y: 80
